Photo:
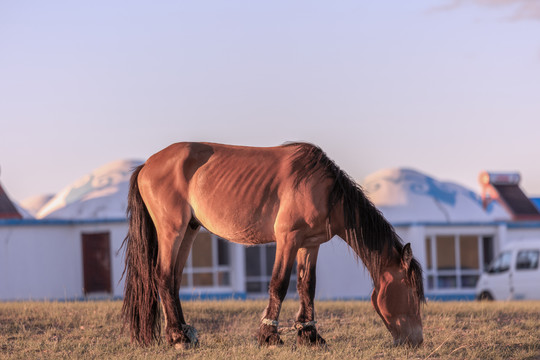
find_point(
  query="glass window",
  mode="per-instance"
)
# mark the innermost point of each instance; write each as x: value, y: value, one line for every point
x: 253, y: 267
x: 446, y: 253
x: 203, y: 279
x: 468, y: 251
x: 185, y: 280
x: 255, y: 287
x: 527, y: 260
x: 431, y: 282
x: 259, y: 266
x: 223, y: 252
x: 469, y: 281
x: 428, y: 254
x: 447, y: 281
x: 270, y: 256
x: 489, y: 250
x: 224, y: 278
x: 456, y: 261
x: 202, y: 250
x: 501, y: 263
x: 208, y: 264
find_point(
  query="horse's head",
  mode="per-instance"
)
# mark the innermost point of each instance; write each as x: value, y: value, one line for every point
x: 397, y: 298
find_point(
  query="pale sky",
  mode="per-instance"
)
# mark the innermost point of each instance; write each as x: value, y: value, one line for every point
x: 447, y: 87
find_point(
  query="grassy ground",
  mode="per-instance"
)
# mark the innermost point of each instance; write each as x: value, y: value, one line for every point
x: 499, y: 330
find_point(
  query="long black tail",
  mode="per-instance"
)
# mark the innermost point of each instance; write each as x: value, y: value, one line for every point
x: 141, y: 300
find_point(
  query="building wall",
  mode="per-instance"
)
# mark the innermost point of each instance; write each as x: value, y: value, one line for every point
x: 339, y: 274
x: 39, y: 262
x: 45, y: 261
x: 516, y: 234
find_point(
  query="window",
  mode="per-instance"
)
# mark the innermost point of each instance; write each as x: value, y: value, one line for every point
x: 527, y: 260
x: 446, y: 254
x: 259, y: 265
x: 456, y: 261
x: 489, y: 250
x: 469, y: 260
x: 446, y: 262
x: 428, y: 254
x: 468, y: 252
x: 502, y: 263
x: 208, y: 264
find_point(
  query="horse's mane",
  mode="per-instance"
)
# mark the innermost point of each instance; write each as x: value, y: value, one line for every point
x: 367, y: 232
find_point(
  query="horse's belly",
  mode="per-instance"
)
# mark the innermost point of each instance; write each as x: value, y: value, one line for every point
x: 237, y: 224
x: 247, y: 235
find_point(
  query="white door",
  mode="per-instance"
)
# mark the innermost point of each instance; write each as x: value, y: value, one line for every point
x: 525, y: 276
x: 497, y: 281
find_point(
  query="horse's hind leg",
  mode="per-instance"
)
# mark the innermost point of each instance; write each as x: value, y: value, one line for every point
x: 281, y: 274
x: 305, y: 318
x: 175, y: 241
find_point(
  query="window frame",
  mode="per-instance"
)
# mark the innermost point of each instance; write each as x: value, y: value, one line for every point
x: 433, y: 275
x: 527, y: 251
x: 189, y: 270
x: 264, y: 278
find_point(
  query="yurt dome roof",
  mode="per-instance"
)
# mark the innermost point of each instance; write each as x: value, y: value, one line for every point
x: 102, y: 194
x: 409, y: 196
x: 403, y: 195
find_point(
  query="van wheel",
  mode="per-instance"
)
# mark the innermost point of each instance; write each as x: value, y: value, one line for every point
x: 485, y: 296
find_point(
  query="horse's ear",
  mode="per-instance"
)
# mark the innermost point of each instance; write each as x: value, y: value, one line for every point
x: 406, y: 256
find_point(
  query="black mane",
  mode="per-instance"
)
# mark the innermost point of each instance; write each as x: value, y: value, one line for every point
x: 367, y: 232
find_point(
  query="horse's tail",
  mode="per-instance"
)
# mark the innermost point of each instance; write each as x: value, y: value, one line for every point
x: 141, y: 300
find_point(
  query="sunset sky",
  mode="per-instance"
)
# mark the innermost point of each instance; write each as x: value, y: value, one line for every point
x: 445, y: 87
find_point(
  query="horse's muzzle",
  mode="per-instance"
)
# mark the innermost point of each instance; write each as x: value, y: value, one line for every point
x: 415, y: 338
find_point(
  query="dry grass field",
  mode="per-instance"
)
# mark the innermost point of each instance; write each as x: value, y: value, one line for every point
x: 84, y: 330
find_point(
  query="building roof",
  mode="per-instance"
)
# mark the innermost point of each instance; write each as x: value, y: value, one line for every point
x: 409, y: 196
x: 102, y: 194
x: 403, y: 195
x: 33, y: 204
x: 504, y: 188
x: 7, y: 208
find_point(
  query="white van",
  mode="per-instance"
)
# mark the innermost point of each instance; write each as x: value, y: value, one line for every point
x: 514, y: 274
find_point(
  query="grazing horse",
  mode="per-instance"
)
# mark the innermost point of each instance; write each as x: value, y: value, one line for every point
x: 292, y: 195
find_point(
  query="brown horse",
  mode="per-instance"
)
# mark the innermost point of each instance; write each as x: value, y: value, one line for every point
x: 293, y: 195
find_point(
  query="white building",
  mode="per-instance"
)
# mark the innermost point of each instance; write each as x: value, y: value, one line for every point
x: 70, y: 250
x: 454, y: 232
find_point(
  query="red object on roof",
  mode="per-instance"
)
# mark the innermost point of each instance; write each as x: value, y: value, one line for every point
x: 504, y: 188
x: 7, y: 209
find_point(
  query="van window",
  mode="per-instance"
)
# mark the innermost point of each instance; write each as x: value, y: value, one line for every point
x: 527, y: 260
x: 502, y: 263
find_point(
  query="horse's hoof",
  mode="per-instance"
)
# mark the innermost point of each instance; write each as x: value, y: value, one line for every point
x: 310, y: 337
x: 184, y: 339
x: 270, y: 340
x: 268, y: 336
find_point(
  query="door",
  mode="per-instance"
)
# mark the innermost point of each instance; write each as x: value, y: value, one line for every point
x: 96, y: 263
x: 497, y: 281
x: 526, y: 276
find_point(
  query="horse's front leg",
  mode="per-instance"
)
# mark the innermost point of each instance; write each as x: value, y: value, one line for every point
x: 305, y: 318
x: 281, y: 274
